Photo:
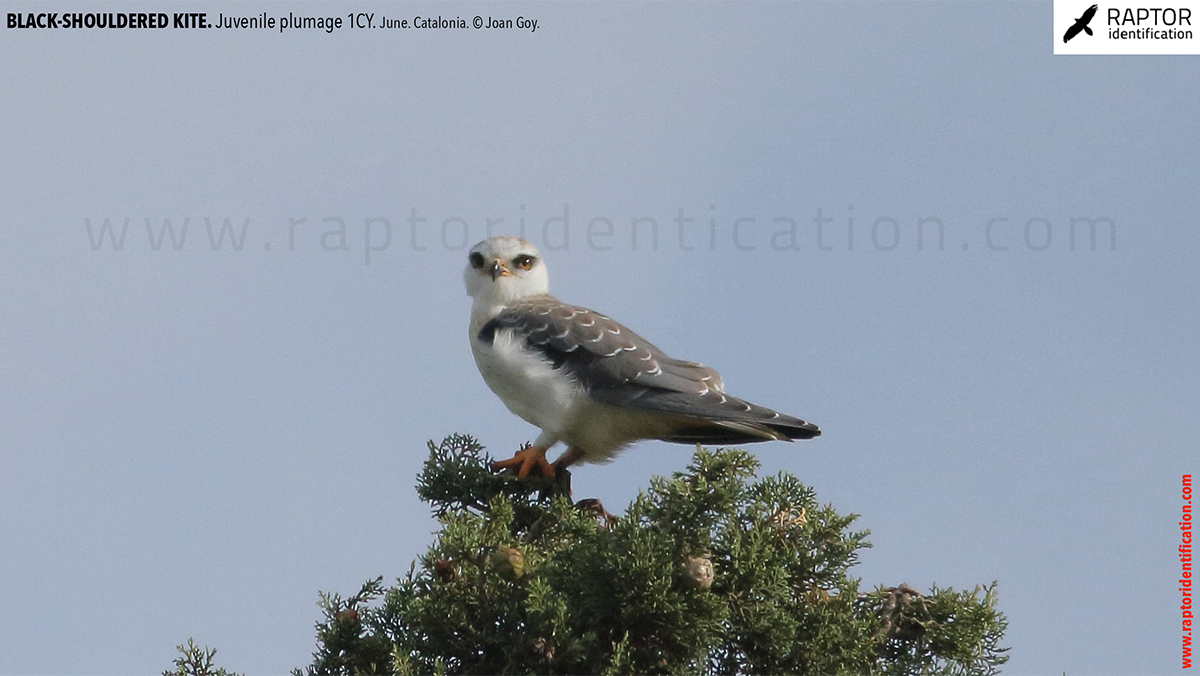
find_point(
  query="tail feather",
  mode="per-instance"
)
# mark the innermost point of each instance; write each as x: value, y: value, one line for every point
x: 742, y: 432
x: 712, y: 417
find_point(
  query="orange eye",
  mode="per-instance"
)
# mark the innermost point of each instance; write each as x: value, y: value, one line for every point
x: 523, y: 261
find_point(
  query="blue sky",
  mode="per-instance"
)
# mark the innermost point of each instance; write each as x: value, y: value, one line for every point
x: 194, y: 441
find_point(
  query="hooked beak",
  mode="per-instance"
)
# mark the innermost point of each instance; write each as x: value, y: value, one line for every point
x: 498, y: 270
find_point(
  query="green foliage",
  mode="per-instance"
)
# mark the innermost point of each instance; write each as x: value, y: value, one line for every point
x: 196, y: 661
x: 343, y: 645
x: 710, y: 571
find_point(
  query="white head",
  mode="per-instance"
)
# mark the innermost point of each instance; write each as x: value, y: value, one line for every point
x: 503, y: 269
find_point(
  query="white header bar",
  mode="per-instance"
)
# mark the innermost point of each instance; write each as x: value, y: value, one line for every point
x: 1127, y: 27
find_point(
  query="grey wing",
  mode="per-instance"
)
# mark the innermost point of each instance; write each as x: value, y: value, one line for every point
x: 620, y: 368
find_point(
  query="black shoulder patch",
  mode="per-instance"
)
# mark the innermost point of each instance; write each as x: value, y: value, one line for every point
x: 561, y: 354
x: 487, y: 335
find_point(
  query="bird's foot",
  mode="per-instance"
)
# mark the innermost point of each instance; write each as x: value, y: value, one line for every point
x: 524, y: 460
x: 568, y: 458
x: 562, y: 475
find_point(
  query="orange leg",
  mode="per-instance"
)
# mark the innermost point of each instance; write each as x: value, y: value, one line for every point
x: 526, y: 459
x: 570, y: 457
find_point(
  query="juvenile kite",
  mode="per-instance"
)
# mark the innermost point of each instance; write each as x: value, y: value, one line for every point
x: 588, y: 381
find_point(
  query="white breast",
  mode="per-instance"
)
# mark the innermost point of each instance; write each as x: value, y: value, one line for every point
x: 526, y: 382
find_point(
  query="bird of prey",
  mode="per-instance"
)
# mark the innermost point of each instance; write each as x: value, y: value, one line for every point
x: 1081, y: 24
x: 584, y: 379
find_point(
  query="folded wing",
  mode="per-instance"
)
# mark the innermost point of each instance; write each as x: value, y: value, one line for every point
x: 620, y: 368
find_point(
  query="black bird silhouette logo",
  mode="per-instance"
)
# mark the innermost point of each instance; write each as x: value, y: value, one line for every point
x: 1081, y: 24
